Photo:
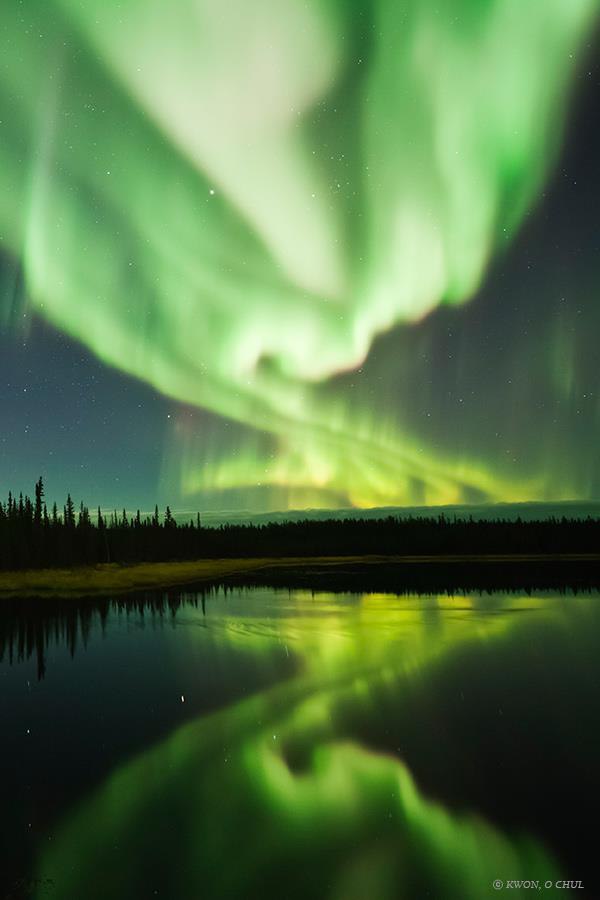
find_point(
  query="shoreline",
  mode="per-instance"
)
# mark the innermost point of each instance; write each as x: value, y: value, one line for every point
x: 129, y: 578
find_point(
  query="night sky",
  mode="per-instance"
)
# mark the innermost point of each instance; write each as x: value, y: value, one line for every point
x: 326, y: 254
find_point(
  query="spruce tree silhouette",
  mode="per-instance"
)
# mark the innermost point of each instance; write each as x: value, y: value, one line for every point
x: 29, y: 538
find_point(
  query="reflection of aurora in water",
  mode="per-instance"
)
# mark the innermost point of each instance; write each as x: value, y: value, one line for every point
x: 273, y: 795
x: 233, y: 204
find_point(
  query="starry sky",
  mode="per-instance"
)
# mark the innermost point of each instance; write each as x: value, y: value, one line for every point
x: 316, y: 254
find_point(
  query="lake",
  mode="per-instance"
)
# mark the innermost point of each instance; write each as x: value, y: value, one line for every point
x: 287, y: 743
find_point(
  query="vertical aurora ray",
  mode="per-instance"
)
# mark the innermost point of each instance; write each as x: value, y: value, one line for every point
x: 233, y: 207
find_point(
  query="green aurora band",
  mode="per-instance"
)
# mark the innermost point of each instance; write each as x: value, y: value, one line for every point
x: 231, y: 201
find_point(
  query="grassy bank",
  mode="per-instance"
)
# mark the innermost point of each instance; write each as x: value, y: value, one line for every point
x: 119, y: 579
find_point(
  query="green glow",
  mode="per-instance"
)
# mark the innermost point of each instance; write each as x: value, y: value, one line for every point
x: 217, y: 809
x: 232, y: 201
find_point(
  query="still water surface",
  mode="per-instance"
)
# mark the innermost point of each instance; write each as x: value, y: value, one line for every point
x: 267, y: 743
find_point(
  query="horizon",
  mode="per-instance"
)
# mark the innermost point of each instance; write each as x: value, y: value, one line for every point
x: 525, y: 509
x: 510, y: 510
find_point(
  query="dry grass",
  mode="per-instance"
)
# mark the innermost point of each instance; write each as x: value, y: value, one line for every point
x: 115, y: 578
x: 118, y: 578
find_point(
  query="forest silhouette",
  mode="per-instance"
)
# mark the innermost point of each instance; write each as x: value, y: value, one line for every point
x: 32, y: 536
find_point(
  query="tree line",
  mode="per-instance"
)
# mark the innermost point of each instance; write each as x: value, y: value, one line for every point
x: 33, y: 536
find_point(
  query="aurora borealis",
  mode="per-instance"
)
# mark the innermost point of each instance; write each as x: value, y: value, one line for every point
x: 332, y: 235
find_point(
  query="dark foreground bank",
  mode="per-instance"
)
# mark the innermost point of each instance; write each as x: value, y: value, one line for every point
x: 393, y: 574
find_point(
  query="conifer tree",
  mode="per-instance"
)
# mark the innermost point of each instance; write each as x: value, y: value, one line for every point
x: 39, y: 500
x: 69, y: 512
